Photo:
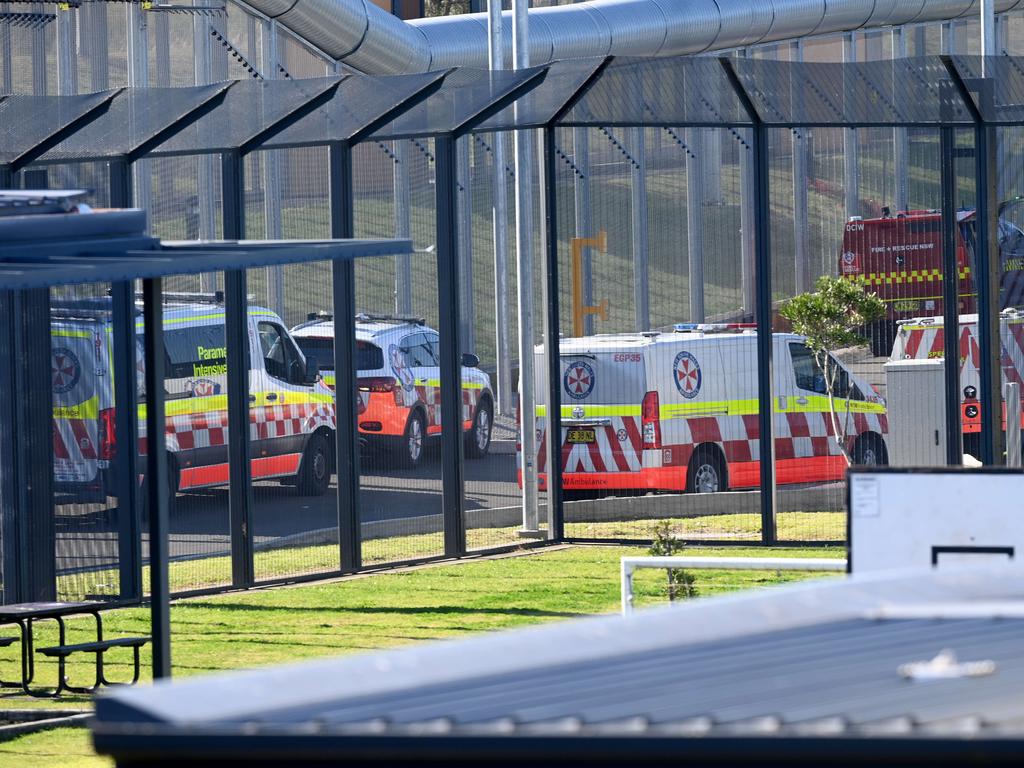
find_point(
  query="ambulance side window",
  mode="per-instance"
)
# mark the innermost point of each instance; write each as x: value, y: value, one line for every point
x: 417, y: 351
x: 808, y: 375
x: 435, y: 347
x: 277, y: 352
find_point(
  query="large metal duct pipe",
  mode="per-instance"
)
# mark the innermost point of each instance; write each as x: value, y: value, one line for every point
x: 371, y: 40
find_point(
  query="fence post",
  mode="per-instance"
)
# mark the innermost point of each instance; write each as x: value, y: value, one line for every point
x: 236, y: 334
x: 1011, y: 396
x: 346, y: 448
x: 549, y: 224
x: 950, y: 298
x: 156, y: 477
x: 763, y: 308
x: 448, y: 277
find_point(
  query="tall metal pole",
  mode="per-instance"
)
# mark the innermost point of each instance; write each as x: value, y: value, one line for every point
x: 851, y: 168
x: 641, y: 242
x: 156, y: 478
x: 346, y: 447
x: 950, y: 298
x: 39, y: 63
x: 900, y: 138
x: 584, y: 217
x: 452, y: 456
x: 272, y: 176
x: 695, y: 222
x: 403, y: 227
x: 206, y: 200
x: 801, y: 249
x: 138, y: 77
x: 524, y: 146
x: 499, y: 224
x: 556, y: 517
x: 748, y: 225
x: 464, y: 218
x: 67, y: 59
x: 988, y: 32
x: 6, y: 56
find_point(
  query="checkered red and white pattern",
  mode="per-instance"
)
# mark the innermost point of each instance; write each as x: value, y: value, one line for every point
x: 210, y: 428
x: 919, y: 343
x: 797, y: 435
x: 75, y: 449
x: 431, y: 397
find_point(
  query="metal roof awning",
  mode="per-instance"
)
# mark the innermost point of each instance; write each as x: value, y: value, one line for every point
x: 812, y: 670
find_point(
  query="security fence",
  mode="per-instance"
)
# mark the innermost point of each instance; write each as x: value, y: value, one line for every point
x: 679, y: 203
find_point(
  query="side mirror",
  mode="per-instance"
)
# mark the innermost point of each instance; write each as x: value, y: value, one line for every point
x: 312, y: 369
x: 296, y: 373
x: 469, y: 360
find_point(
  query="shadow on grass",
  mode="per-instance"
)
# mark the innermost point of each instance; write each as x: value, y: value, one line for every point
x: 411, y: 610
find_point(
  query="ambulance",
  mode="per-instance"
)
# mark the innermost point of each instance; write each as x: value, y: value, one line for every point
x: 899, y: 258
x: 291, y: 412
x: 678, y: 411
x: 399, y: 384
x: 922, y: 338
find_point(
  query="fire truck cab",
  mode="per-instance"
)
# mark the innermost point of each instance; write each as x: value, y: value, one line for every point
x: 900, y: 258
x: 678, y: 411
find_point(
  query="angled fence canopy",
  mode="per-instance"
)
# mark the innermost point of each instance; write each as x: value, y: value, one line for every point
x: 135, y: 117
x: 915, y: 91
x: 462, y: 102
x: 686, y: 90
x: 251, y: 109
x: 359, y: 102
x: 29, y: 125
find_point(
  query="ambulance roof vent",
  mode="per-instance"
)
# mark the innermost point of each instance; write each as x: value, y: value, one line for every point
x: 856, y: 218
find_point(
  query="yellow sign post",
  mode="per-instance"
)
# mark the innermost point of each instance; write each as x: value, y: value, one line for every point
x: 579, y: 311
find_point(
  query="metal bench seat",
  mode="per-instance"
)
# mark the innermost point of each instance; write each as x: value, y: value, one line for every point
x: 99, y: 647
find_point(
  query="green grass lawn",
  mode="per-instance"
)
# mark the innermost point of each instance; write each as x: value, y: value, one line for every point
x: 274, y: 626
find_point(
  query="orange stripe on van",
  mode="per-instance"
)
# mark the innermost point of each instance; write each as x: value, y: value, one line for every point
x: 218, y: 474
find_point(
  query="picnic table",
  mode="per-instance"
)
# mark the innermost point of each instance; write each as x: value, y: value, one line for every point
x: 26, y: 615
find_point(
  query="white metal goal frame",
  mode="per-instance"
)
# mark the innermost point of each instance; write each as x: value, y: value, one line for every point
x: 631, y: 564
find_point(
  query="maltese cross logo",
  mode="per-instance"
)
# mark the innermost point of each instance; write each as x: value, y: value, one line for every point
x: 578, y: 380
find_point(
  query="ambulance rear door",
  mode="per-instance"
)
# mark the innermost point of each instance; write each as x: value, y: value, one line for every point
x: 603, y: 384
x: 80, y: 371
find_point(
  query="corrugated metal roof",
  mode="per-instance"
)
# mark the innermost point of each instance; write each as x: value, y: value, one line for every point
x: 816, y: 660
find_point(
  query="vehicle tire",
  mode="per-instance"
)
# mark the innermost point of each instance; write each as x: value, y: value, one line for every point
x: 314, y: 476
x: 410, y: 447
x: 870, y: 451
x: 478, y: 438
x: 706, y: 472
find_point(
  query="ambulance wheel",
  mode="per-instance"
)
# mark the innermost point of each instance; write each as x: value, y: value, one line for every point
x: 315, y: 472
x: 869, y: 451
x: 408, y: 451
x: 478, y: 439
x: 706, y: 472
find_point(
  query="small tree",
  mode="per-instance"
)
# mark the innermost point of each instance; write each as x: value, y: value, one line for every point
x: 680, y: 583
x: 830, y: 318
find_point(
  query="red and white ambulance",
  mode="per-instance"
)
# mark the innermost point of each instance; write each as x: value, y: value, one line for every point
x: 678, y: 411
x: 923, y: 338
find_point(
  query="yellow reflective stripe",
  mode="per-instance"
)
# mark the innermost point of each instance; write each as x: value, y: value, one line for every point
x: 907, y: 276
x: 329, y: 380
x: 819, y: 404
x: 214, y: 316
x: 437, y: 383
x: 67, y: 333
x: 814, y: 404
x: 191, y: 405
x: 90, y: 409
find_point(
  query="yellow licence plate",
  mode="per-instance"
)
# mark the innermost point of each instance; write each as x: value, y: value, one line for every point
x: 581, y: 436
x: 906, y: 305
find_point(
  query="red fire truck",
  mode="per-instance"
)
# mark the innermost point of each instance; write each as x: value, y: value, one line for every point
x: 900, y: 258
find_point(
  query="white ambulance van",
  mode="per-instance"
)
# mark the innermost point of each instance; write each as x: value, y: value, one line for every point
x: 291, y: 412
x: 677, y: 411
x: 923, y: 338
